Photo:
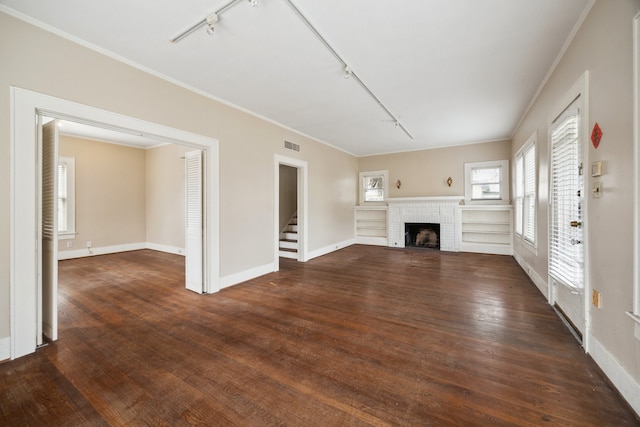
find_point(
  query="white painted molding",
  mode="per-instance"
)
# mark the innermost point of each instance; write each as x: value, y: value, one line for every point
x: 243, y: 276
x: 636, y: 171
x: 165, y: 248
x: 626, y: 385
x: 330, y: 248
x: 540, y: 283
x: 425, y: 199
x: 103, y: 250
x: 5, y: 348
x: 369, y: 240
x: 486, y: 248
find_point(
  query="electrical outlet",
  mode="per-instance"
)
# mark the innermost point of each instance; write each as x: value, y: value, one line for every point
x: 596, y: 298
x: 89, y: 243
x: 69, y: 244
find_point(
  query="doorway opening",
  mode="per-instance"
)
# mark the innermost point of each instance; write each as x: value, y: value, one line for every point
x: 290, y: 208
x: 26, y: 272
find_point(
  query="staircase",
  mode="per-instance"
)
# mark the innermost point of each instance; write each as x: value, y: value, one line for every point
x: 289, y: 238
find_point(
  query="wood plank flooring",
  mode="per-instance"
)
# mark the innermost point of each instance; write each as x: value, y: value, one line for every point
x: 365, y: 336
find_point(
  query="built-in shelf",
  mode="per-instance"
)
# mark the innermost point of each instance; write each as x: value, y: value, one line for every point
x: 486, y: 229
x: 371, y: 225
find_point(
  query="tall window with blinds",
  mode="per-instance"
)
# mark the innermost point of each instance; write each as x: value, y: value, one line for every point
x: 65, y: 208
x: 565, y: 232
x: 525, y: 192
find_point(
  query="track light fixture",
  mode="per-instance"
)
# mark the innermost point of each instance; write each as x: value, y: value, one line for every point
x: 347, y: 72
x: 211, y: 19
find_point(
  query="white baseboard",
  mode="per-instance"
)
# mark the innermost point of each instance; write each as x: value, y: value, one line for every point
x: 165, y: 248
x: 374, y: 241
x: 5, y: 348
x: 105, y: 250
x: 540, y: 283
x: 330, y: 248
x: 243, y: 276
x: 486, y: 248
x: 626, y: 385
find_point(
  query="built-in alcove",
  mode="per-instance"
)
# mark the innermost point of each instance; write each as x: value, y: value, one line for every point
x: 422, y: 235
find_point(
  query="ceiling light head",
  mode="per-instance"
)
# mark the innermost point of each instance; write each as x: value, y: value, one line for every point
x: 347, y: 72
x: 254, y: 3
x: 397, y: 124
x: 210, y: 20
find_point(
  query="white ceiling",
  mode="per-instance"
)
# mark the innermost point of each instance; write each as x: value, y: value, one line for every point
x: 452, y: 71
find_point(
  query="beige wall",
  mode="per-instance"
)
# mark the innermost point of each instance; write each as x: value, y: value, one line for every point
x: 110, y: 193
x: 165, y: 195
x: 603, y: 46
x: 247, y: 145
x: 424, y: 173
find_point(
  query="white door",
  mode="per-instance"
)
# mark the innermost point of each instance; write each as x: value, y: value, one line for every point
x: 48, y: 277
x: 566, y: 199
x: 194, y: 225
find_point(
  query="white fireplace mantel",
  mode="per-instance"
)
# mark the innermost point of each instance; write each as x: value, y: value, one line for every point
x: 443, y: 210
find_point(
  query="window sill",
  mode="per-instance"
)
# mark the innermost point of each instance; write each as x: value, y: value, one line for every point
x: 67, y: 236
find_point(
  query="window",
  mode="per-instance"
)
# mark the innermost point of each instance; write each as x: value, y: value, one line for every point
x: 487, y: 181
x: 66, y: 198
x: 525, y: 191
x: 373, y: 187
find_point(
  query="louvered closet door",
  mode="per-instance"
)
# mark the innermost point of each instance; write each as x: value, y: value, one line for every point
x: 48, y: 295
x: 194, y: 221
x: 566, y: 247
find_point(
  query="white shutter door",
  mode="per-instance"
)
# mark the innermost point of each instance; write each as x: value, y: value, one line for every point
x: 566, y: 261
x: 193, y: 222
x: 529, y: 232
x: 49, y: 230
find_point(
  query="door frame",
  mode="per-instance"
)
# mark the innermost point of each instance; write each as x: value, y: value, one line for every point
x: 302, y: 203
x: 579, y: 90
x: 24, y: 210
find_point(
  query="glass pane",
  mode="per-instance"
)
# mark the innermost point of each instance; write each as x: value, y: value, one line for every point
x: 485, y: 191
x: 373, y: 182
x: 374, y: 195
x: 485, y: 175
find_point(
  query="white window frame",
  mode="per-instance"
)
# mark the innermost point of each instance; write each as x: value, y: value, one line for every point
x: 504, y: 181
x: 519, y: 200
x: 70, y: 230
x: 384, y: 174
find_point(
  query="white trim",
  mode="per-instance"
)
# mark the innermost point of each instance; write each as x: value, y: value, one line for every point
x: 505, y: 181
x: 109, y: 54
x: 486, y: 248
x: 540, y: 283
x: 579, y: 90
x: 385, y: 187
x: 552, y: 68
x: 373, y: 241
x: 113, y: 249
x: 25, y: 105
x: 303, y: 202
x: 5, y: 348
x: 331, y: 248
x: 165, y: 248
x: 615, y: 372
x: 636, y: 171
x: 425, y: 199
x: 243, y: 276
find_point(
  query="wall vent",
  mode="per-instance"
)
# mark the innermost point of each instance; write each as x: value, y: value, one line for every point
x: 291, y: 146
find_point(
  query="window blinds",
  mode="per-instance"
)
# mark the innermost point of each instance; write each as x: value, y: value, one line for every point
x: 62, y: 197
x: 565, y: 249
x: 529, y: 208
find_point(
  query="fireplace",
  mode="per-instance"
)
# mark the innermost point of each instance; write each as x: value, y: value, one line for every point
x: 422, y: 235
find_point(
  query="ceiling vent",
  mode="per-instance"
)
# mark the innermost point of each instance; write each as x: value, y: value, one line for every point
x: 291, y: 146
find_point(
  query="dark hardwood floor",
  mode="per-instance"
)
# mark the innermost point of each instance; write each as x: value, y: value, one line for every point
x: 363, y: 336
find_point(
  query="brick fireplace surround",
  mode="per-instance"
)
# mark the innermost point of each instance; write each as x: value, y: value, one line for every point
x: 437, y: 210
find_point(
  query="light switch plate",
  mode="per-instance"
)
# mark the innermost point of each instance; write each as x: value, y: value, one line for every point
x: 597, y: 190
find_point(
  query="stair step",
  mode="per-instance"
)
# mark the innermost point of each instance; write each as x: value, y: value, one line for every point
x: 288, y: 254
x: 290, y: 228
x: 288, y: 244
x: 289, y: 236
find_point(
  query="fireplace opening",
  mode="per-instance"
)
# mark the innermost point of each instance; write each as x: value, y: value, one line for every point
x: 421, y: 235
